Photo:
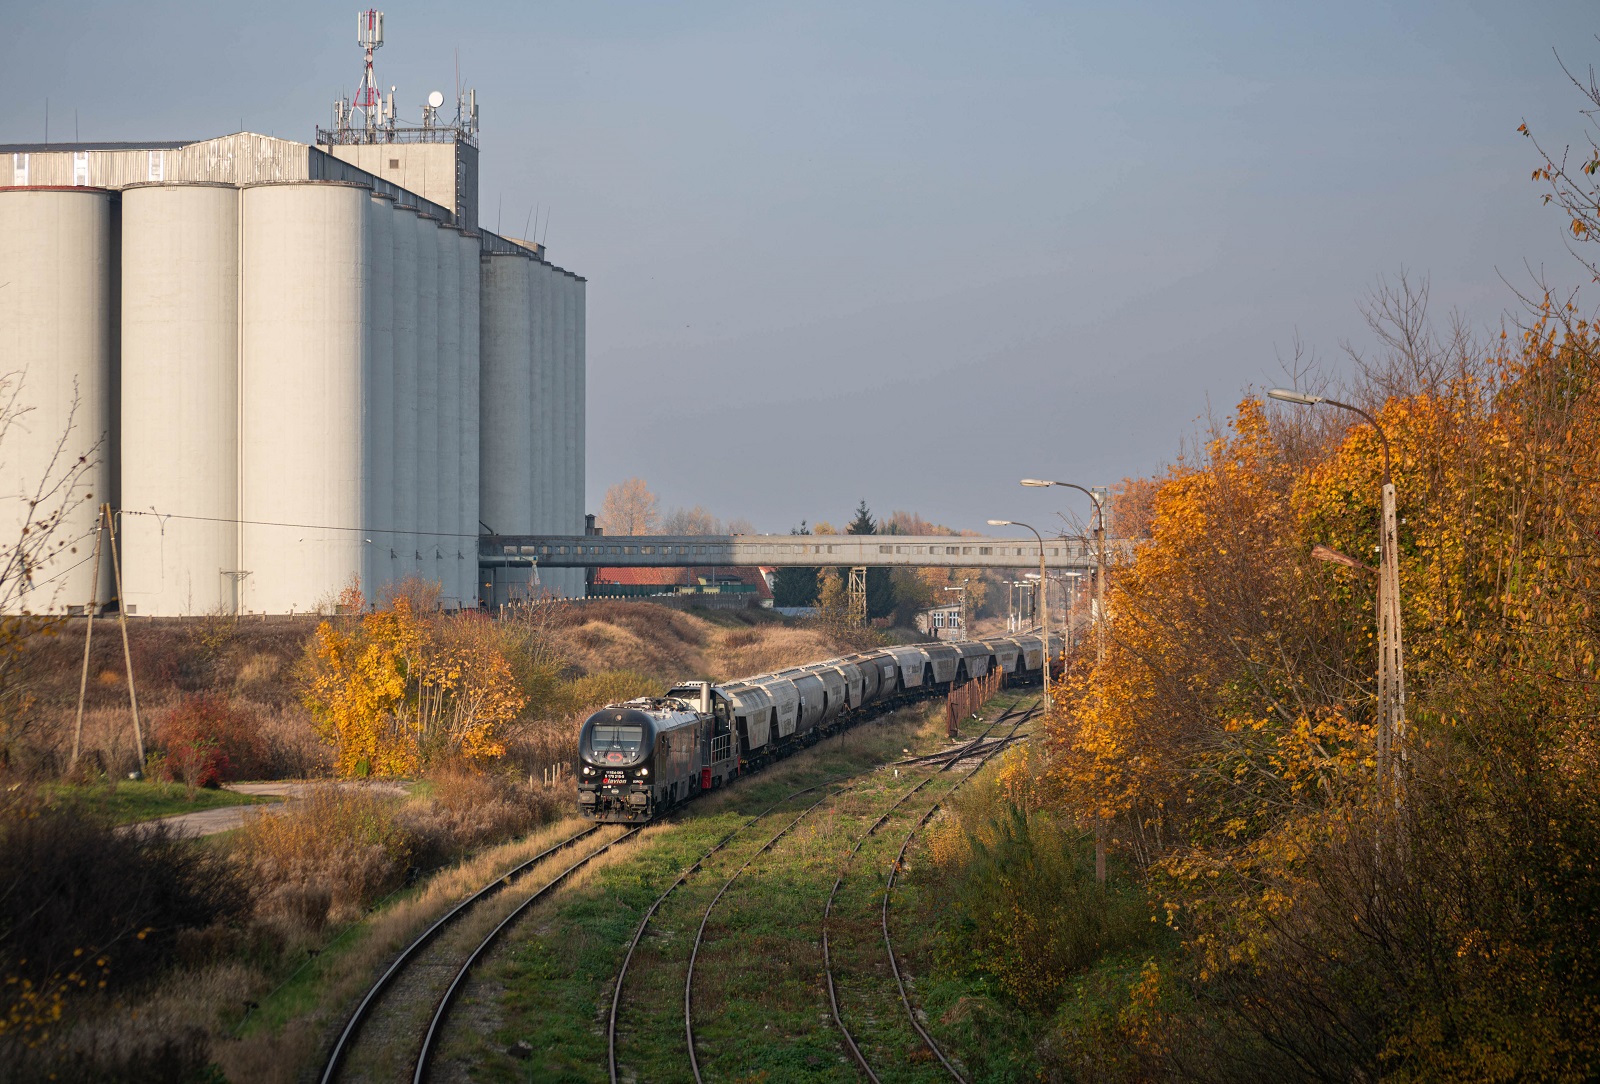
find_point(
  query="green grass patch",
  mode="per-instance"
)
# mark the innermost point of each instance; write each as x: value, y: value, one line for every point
x: 131, y: 801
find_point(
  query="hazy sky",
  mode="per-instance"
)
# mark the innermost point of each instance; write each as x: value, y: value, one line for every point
x: 912, y: 252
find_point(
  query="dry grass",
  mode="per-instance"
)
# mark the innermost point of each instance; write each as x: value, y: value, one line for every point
x: 274, y: 1056
x: 670, y: 644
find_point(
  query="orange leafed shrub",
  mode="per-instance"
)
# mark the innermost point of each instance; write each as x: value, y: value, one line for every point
x: 398, y: 690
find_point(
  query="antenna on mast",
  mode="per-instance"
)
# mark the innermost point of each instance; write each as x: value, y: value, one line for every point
x: 369, y: 35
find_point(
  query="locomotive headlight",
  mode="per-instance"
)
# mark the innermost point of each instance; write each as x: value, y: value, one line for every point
x: 588, y: 770
x: 643, y: 772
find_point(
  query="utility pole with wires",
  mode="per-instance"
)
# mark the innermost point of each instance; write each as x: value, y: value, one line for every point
x: 105, y: 523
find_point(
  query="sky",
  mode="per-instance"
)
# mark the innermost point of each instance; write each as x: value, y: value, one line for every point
x: 912, y: 252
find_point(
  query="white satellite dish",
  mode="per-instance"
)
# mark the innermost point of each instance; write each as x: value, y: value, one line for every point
x: 435, y: 99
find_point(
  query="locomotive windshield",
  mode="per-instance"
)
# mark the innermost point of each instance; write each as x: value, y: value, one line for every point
x: 615, y: 738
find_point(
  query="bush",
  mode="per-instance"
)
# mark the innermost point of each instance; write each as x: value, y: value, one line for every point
x: 85, y: 907
x: 207, y: 741
x: 1027, y: 910
x: 327, y: 856
x: 472, y: 809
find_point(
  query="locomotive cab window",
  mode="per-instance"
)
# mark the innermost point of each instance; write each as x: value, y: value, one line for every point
x: 616, y: 738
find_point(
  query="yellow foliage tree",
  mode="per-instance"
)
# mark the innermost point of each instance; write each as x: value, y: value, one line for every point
x: 398, y: 690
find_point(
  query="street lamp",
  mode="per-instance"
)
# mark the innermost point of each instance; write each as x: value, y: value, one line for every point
x: 1100, y: 559
x: 1099, y: 614
x: 1391, y: 654
x: 1044, y: 602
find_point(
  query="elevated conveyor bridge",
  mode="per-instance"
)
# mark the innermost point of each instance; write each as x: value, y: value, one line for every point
x: 778, y: 550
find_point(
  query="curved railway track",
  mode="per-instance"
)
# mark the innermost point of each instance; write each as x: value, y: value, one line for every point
x: 949, y: 760
x: 678, y: 882
x: 888, y: 892
x: 364, y: 1011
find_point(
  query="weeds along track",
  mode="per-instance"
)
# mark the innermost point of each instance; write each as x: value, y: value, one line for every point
x: 888, y: 894
x: 946, y: 760
x: 424, y: 959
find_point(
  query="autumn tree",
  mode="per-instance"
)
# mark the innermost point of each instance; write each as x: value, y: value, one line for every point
x: 691, y: 521
x: 399, y: 690
x: 629, y: 508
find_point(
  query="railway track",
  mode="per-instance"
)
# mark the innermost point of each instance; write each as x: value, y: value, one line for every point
x: 644, y: 923
x: 949, y: 760
x: 888, y: 894
x: 409, y: 957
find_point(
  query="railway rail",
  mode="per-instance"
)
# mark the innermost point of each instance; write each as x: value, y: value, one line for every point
x: 888, y: 893
x: 650, y: 913
x: 338, y: 1056
x: 827, y: 912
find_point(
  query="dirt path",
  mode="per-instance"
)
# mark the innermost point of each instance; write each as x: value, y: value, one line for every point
x: 209, y: 822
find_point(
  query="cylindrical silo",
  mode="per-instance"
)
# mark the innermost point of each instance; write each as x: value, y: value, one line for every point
x: 58, y: 335
x: 543, y: 471
x: 467, y: 452
x: 428, y: 235
x: 305, y: 340
x: 405, y: 542
x: 557, y: 413
x: 545, y: 507
x: 505, y: 403
x: 180, y: 398
x: 580, y: 417
x: 505, y: 439
x: 383, y: 557
x: 449, y: 462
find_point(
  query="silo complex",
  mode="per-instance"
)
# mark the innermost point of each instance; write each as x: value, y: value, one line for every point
x: 58, y: 349
x: 288, y: 375
x: 180, y: 395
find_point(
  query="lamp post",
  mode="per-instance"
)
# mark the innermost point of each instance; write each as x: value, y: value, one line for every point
x: 1044, y: 602
x: 1100, y: 559
x: 1099, y: 615
x: 1391, y: 655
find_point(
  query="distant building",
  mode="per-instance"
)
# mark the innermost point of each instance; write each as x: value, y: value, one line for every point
x: 941, y: 622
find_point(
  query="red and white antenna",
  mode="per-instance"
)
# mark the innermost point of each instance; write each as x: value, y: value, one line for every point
x: 369, y: 35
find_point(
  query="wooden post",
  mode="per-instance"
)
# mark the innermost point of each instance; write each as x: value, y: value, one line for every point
x: 88, y: 635
x: 122, y: 620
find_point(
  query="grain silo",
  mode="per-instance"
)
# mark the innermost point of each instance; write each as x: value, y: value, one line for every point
x: 381, y: 566
x: 405, y: 542
x: 180, y: 398
x: 506, y: 394
x: 427, y: 521
x: 58, y: 343
x: 467, y: 448
x: 305, y: 339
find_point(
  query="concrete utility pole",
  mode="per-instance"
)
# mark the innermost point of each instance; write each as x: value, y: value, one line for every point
x: 1391, y: 654
x: 1099, y: 622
